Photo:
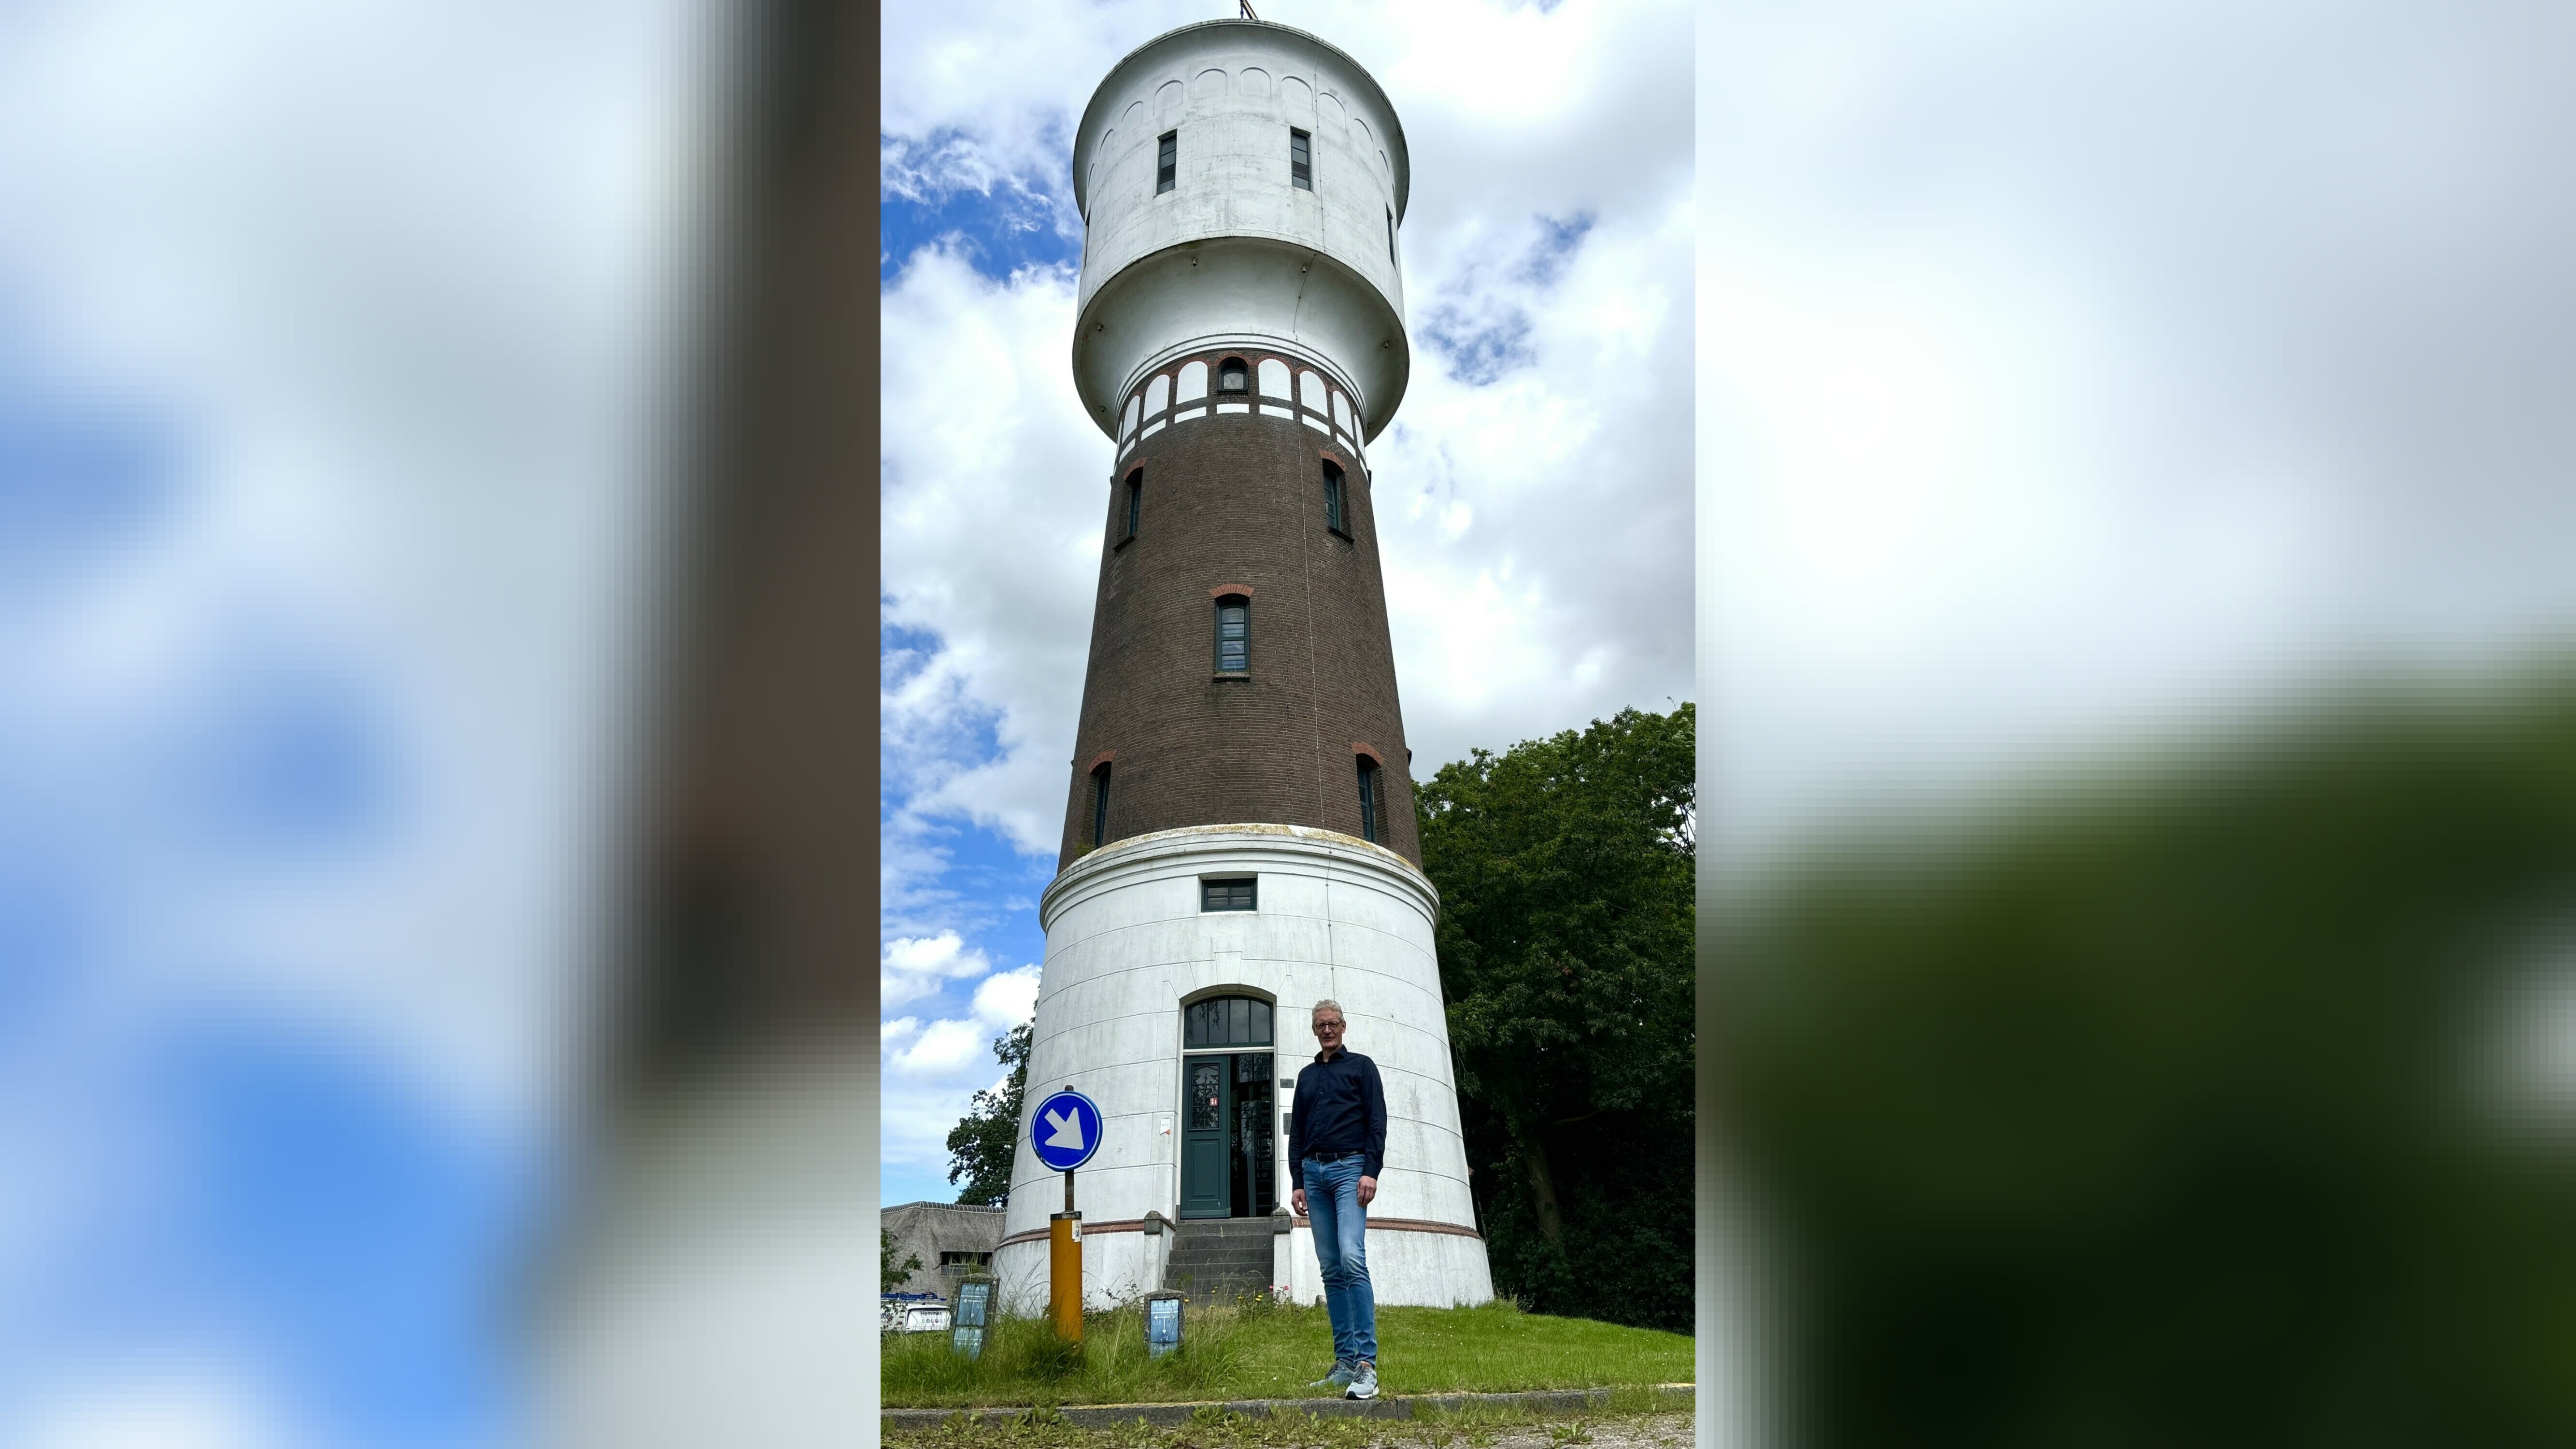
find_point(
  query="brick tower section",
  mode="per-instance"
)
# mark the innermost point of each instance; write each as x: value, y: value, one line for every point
x: 1233, y: 504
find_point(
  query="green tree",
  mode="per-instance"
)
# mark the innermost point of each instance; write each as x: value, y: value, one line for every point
x: 1566, y: 868
x: 983, y: 1143
x: 890, y: 1274
x: 2182, y: 1102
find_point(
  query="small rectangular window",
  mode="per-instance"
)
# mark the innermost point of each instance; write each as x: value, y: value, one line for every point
x: 1333, y: 516
x: 1226, y: 895
x: 1368, y: 799
x: 1135, y: 501
x: 1167, y: 162
x: 1390, y: 233
x: 1233, y: 636
x: 1301, y: 161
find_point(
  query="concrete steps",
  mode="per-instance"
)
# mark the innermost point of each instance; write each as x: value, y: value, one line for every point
x: 1217, y: 1260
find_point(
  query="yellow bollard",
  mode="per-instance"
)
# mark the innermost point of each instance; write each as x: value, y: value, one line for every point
x: 1064, y: 1274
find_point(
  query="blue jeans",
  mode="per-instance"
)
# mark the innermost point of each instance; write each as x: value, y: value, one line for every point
x: 1341, y: 1247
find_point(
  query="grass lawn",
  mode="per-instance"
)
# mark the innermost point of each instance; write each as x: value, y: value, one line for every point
x: 1611, y: 1426
x: 1264, y: 1352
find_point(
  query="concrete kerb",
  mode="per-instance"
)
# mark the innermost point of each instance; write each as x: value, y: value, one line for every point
x: 1390, y: 1406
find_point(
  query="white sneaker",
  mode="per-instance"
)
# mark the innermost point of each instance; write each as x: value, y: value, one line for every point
x: 1339, y: 1378
x: 1363, y: 1382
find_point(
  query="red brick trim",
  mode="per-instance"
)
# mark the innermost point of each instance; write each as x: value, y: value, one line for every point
x: 1107, y: 756
x: 1376, y: 1225
x: 1362, y: 747
x: 1401, y: 1225
x: 1222, y: 590
x: 1039, y: 1235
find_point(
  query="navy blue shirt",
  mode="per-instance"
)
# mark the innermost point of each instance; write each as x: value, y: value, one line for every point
x: 1341, y: 1107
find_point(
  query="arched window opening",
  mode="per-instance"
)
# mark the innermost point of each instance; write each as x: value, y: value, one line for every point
x: 1226, y: 1021
x: 1193, y: 382
x: 1371, y: 806
x: 1274, y: 378
x: 1228, y: 1139
x: 1233, y: 635
x: 1135, y: 501
x: 1233, y: 376
x: 1158, y: 394
x: 1100, y: 804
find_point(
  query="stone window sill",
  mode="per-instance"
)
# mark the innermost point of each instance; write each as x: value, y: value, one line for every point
x: 1231, y: 674
x: 1122, y: 543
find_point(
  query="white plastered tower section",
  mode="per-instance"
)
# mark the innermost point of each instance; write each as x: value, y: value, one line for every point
x: 1237, y: 255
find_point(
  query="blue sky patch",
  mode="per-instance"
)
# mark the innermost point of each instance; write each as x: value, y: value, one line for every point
x: 999, y: 224
x: 1557, y: 243
x: 78, y: 474
x: 1479, y: 349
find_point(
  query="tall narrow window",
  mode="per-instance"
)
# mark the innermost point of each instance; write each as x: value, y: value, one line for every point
x: 1135, y: 500
x: 1334, y: 518
x: 1233, y: 635
x: 1301, y: 161
x: 1100, y: 805
x: 1167, y: 162
x: 1368, y: 797
x: 1390, y: 233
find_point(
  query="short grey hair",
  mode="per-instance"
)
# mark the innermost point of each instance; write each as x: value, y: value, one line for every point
x: 1325, y: 1005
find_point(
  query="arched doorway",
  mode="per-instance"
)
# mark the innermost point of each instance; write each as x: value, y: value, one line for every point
x: 1228, y: 1142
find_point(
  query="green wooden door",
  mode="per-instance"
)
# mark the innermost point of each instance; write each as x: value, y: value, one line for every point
x: 1207, y: 1110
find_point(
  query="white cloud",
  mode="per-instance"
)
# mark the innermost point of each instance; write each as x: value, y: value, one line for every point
x: 1007, y: 998
x: 910, y: 967
x: 992, y: 478
x: 186, y: 1407
x: 942, y: 1047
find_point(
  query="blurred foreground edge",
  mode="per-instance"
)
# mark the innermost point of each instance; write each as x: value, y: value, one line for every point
x: 711, y: 1279
x: 2225, y: 1095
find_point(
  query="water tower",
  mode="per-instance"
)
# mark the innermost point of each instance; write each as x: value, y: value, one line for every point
x: 1239, y: 836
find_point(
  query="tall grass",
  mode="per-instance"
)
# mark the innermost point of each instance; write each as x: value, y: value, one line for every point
x: 1023, y: 1362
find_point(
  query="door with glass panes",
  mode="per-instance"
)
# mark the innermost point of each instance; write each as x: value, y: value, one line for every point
x: 1227, y: 1123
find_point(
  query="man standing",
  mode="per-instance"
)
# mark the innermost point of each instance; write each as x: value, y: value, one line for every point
x: 1337, y: 1138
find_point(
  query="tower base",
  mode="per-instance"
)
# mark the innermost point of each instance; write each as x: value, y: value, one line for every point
x: 1136, y: 936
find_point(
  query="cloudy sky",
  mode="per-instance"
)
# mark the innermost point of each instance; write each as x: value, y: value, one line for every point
x: 323, y: 334
x: 2069, y: 374
x: 1534, y: 488
x: 2057, y: 376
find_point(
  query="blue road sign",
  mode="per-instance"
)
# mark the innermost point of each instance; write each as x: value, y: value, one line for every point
x: 1065, y: 1129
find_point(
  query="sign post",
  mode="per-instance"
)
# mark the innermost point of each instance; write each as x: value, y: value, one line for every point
x: 1065, y: 1131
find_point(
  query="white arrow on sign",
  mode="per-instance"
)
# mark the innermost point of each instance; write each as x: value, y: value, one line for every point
x: 1068, y: 1130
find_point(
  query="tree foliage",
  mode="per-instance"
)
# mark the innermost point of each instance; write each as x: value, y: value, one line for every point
x: 1565, y: 868
x: 891, y: 1274
x: 2181, y: 1105
x: 982, y: 1145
